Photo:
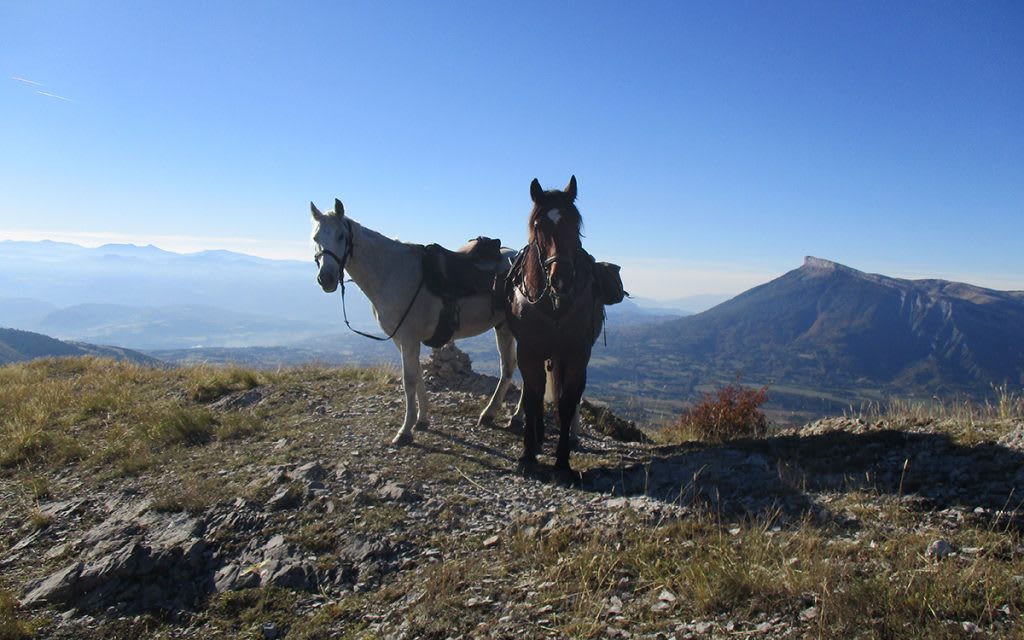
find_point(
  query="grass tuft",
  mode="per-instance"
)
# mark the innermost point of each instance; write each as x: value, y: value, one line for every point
x: 237, y: 426
x: 181, y: 425
x: 191, y: 495
x: 11, y: 628
x: 207, y: 383
x: 38, y: 520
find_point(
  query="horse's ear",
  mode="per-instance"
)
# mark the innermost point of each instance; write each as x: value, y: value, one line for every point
x: 570, y: 189
x: 535, y: 190
x: 316, y: 212
x: 339, y: 209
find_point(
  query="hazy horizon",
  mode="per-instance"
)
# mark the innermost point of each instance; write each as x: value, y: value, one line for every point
x: 96, y: 242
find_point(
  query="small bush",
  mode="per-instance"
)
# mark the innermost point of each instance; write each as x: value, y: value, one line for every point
x: 731, y: 412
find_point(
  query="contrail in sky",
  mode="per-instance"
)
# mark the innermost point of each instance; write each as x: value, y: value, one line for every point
x: 54, y: 95
x: 33, y: 83
x: 27, y: 81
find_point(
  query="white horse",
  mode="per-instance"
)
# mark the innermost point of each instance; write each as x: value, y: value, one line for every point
x: 390, y: 273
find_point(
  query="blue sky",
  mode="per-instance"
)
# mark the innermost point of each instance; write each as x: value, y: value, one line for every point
x: 715, y: 144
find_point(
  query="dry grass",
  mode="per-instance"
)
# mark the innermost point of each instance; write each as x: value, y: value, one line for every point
x: 11, y: 627
x: 870, y: 579
x: 123, y: 418
x: 103, y: 413
x: 967, y: 420
x: 191, y: 494
x: 878, y: 584
x: 205, y: 383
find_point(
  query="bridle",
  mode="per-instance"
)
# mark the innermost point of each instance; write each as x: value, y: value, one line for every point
x: 545, y: 265
x: 341, y: 262
x: 318, y: 257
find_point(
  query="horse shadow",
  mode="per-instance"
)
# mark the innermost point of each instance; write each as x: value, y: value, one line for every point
x: 485, y: 453
x: 784, y: 478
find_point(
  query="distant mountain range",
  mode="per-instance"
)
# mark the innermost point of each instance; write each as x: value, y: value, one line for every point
x: 685, y: 306
x: 823, y: 336
x: 17, y: 346
x: 148, y: 298
x: 826, y: 335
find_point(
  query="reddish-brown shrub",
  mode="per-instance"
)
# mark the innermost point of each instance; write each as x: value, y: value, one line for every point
x: 731, y: 412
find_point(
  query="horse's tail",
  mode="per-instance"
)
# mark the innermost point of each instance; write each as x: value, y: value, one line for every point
x: 553, y: 390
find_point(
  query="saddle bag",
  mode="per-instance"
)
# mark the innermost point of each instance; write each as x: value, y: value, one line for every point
x: 609, y: 283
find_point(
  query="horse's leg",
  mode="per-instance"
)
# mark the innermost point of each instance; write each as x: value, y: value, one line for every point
x: 519, y: 416
x: 411, y: 378
x: 573, y: 379
x: 552, y: 390
x: 532, y: 370
x: 507, y: 366
x: 551, y: 395
x: 423, y: 410
x: 574, y: 428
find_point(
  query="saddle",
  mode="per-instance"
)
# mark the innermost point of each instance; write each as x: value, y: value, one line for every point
x: 468, y: 271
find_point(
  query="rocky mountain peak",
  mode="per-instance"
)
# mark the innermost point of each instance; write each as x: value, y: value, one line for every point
x: 821, y: 265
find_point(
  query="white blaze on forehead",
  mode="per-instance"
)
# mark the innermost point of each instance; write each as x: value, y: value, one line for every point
x: 554, y: 215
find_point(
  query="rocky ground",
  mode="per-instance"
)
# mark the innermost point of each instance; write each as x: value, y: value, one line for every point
x: 314, y: 526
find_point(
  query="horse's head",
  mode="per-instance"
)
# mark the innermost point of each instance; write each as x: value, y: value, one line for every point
x: 332, y: 235
x: 554, y: 234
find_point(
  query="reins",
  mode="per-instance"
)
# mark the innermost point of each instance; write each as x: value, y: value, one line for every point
x: 523, y: 289
x: 341, y: 281
x: 344, y: 314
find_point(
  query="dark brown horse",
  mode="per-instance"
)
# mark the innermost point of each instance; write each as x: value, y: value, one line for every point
x: 555, y: 315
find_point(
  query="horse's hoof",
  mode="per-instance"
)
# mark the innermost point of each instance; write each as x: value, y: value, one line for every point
x: 423, y: 425
x: 485, y: 421
x: 527, y: 467
x: 566, y: 477
x: 403, y: 438
x: 515, y: 425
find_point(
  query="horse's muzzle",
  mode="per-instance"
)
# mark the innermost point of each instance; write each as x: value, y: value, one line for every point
x: 329, y: 285
x: 561, y: 280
